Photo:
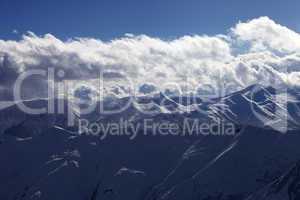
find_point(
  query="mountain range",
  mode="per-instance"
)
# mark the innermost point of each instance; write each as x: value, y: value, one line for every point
x: 42, y: 157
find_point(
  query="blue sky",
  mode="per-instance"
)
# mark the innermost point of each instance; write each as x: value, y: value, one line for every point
x: 242, y: 48
x: 108, y: 19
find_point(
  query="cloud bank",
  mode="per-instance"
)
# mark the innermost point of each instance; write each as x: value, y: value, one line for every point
x: 256, y: 51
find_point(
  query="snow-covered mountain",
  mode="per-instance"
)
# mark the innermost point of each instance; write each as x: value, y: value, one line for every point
x: 42, y: 158
x: 262, y: 106
x: 285, y: 186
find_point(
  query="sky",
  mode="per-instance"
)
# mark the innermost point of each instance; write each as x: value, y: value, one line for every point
x: 109, y: 19
x: 152, y: 43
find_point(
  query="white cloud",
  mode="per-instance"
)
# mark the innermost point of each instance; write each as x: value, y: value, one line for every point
x: 255, y: 51
x: 264, y: 34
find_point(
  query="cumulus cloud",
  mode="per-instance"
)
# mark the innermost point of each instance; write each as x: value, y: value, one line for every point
x: 257, y: 51
x: 264, y: 34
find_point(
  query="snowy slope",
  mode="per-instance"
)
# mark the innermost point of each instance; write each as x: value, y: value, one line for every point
x: 42, y: 158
